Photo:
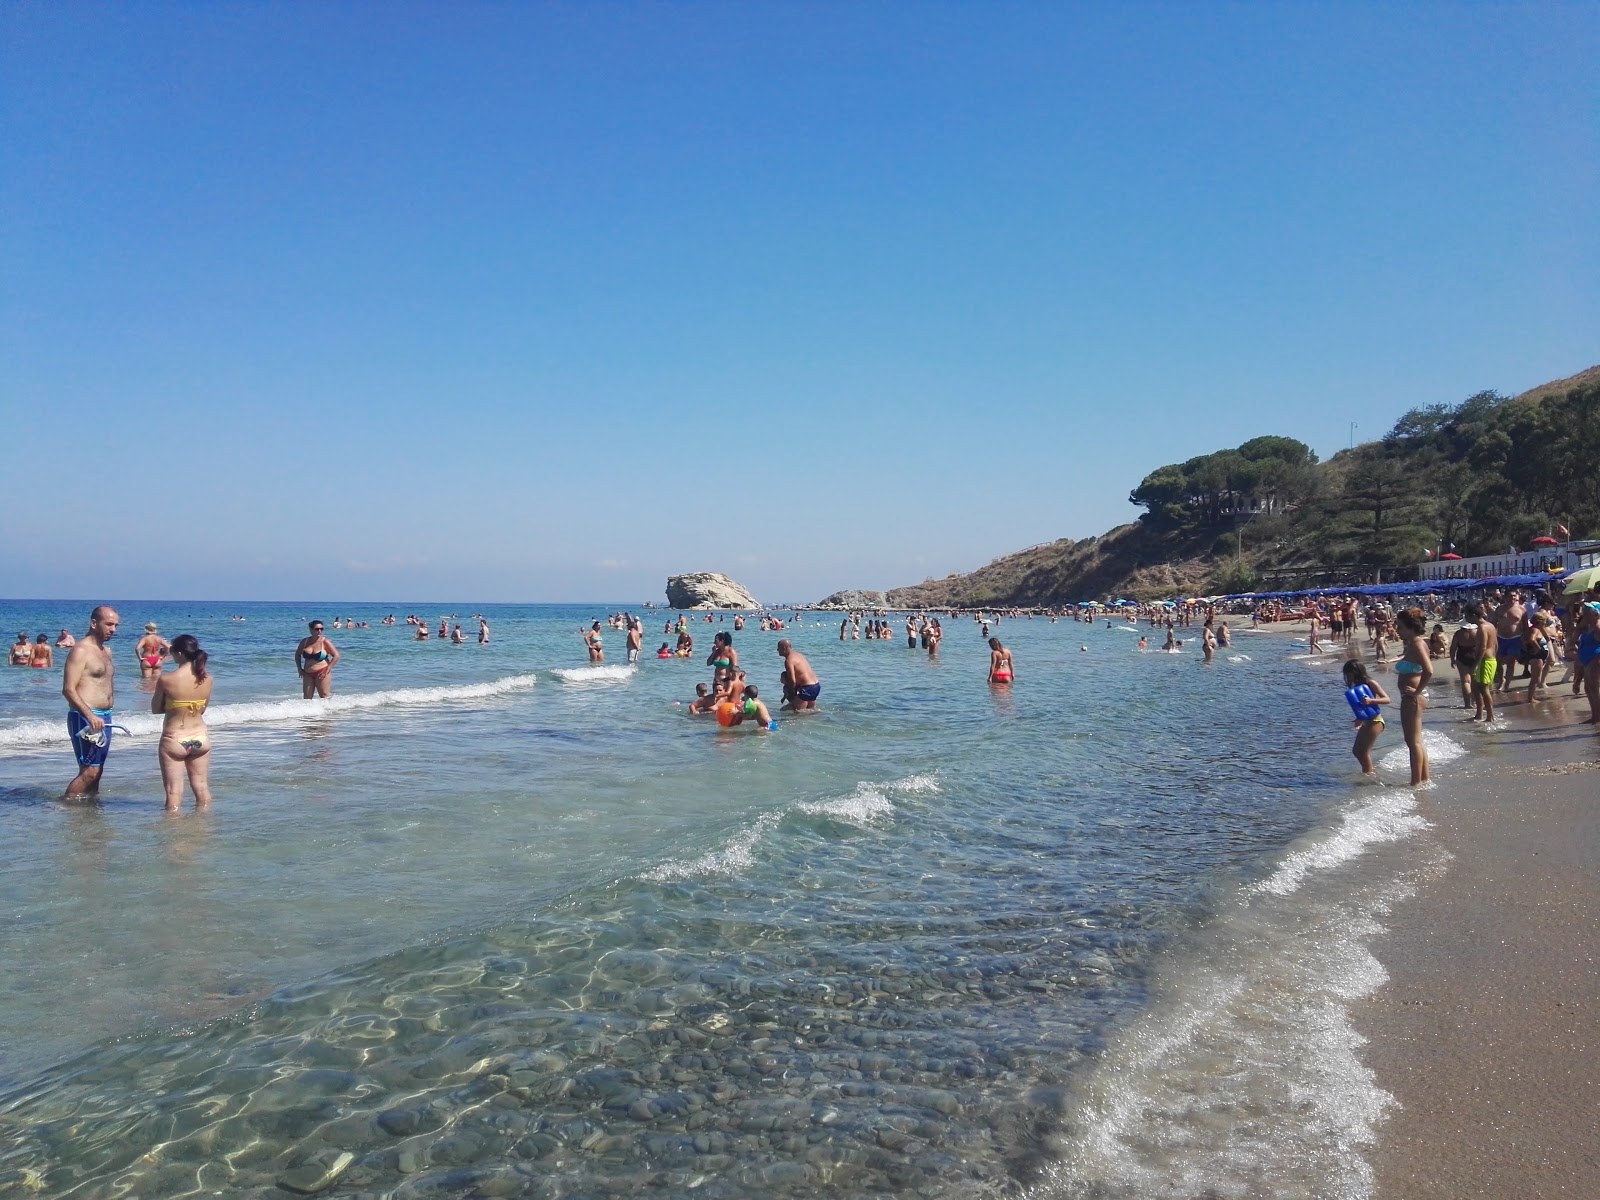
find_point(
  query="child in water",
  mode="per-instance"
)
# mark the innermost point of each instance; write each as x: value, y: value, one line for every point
x: 1364, y: 695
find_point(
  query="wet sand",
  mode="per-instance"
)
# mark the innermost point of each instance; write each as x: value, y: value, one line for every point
x: 1488, y: 1033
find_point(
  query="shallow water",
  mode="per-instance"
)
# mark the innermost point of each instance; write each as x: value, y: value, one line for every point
x: 494, y: 922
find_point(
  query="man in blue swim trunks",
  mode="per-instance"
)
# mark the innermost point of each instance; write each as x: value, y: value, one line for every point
x: 800, y: 685
x: 1508, y: 624
x: 88, y: 684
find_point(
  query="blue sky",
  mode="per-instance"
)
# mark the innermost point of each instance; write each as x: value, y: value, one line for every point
x: 545, y: 302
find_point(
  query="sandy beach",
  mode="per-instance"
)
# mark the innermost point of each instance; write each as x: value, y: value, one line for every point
x: 1487, y: 1032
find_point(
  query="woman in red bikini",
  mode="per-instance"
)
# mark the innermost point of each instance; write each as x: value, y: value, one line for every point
x: 1000, y: 667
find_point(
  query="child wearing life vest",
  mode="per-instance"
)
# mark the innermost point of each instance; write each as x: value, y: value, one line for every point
x: 1364, y: 694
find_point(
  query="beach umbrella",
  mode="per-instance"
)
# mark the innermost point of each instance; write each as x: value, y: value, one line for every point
x: 1581, y: 581
x: 1545, y: 541
x: 1457, y: 557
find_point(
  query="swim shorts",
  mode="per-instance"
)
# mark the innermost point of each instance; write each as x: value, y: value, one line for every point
x: 1484, y: 673
x: 809, y: 693
x: 1510, y: 648
x: 88, y: 752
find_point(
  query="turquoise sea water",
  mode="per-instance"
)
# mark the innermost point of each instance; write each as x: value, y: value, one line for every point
x: 494, y: 922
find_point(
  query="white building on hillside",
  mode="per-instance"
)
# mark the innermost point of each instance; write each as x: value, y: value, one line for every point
x: 1568, y: 556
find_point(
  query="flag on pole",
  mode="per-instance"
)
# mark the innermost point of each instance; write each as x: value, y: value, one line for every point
x: 1429, y: 553
x: 1563, y: 531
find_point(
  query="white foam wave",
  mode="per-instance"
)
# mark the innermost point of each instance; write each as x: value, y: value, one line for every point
x: 733, y: 856
x: 33, y: 735
x: 867, y: 805
x: 1244, y: 1077
x: 1440, y: 748
x: 1387, y: 818
x: 1240, y: 658
x: 592, y: 675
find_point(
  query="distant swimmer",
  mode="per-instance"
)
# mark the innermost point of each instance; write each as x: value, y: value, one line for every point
x: 1223, y: 638
x: 1144, y: 643
x: 1001, y: 669
x: 65, y: 641
x: 315, y: 658
x: 422, y: 633
x: 185, y: 747
x: 89, y: 684
x: 591, y: 639
x: 152, y: 650
x: 800, y: 684
x: 1364, y: 695
x: 665, y: 651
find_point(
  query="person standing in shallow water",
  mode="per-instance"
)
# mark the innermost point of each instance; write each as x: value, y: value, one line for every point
x: 181, y: 696
x: 800, y: 684
x: 1364, y: 694
x: 89, y: 684
x: 1001, y: 669
x: 1412, y: 672
x: 315, y: 658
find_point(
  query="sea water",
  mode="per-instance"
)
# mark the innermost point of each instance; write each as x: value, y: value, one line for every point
x: 492, y: 921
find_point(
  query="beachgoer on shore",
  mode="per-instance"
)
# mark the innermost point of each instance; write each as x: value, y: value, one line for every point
x: 315, y: 658
x: 185, y: 747
x: 1412, y: 672
x: 88, y: 682
x: 1364, y: 695
x: 1484, y: 668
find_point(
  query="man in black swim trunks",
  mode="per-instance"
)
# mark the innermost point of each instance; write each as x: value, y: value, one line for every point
x: 800, y: 684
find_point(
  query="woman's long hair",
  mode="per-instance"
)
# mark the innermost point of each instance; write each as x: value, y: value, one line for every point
x: 186, y: 649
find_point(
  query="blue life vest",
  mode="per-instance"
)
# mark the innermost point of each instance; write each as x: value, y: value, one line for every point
x: 1360, y: 697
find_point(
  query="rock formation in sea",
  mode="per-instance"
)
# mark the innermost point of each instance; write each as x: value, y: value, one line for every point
x: 707, y: 589
x: 853, y: 600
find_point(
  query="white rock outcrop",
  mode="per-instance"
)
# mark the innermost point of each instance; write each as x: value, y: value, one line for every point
x: 707, y: 589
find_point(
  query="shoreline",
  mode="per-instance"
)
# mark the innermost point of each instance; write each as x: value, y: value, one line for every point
x: 1485, y: 1031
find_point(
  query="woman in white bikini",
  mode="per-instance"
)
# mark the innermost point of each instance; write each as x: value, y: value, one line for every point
x: 181, y: 697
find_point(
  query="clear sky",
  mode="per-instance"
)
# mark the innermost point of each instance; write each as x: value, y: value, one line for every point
x: 545, y: 302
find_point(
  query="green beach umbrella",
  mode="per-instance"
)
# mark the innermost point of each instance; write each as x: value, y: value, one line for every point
x: 1581, y: 581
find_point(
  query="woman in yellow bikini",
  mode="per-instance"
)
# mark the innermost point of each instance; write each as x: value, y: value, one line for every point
x: 181, y: 697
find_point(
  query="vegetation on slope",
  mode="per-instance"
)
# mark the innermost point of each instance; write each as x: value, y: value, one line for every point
x: 1484, y: 475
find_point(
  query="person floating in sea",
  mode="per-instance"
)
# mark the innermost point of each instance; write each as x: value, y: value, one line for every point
x: 89, y: 684
x: 315, y: 658
x: 1412, y: 672
x: 1364, y: 695
x: 152, y: 650
x: 1001, y: 669
x: 185, y: 747
x: 801, y: 686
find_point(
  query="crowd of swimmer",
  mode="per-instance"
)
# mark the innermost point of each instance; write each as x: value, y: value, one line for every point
x: 729, y: 697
